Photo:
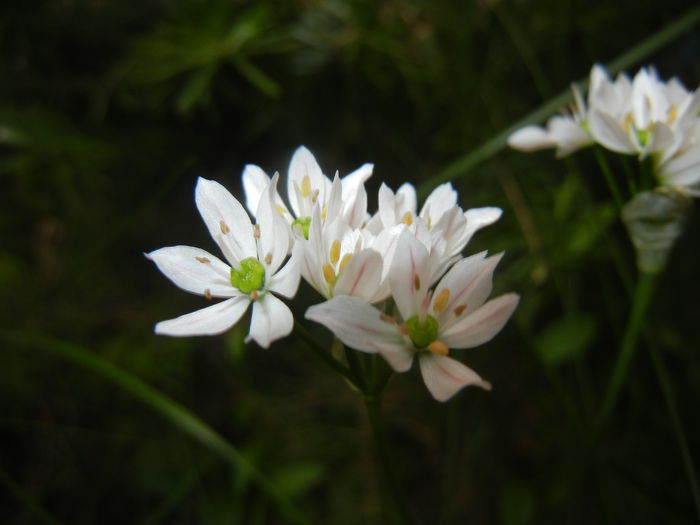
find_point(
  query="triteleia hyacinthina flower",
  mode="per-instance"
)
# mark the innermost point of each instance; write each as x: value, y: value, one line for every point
x: 428, y: 322
x: 255, y: 272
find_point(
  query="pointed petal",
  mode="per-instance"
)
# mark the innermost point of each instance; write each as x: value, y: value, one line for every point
x: 361, y: 276
x: 286, y: 281
x: 481, y: 325
x: 609, y: 133
x: 227, y: 221
x: 275, y: 234
x: 440, y: 200
x: 683, y: 170
x: 212, y: 320
x: 531, y: 138
x: 410, y: 274
x: 255, y: 180
x: 271, y: 320
x: 445, y: 376
x: 399, y: 356
x: 356, y: 323
x: 194, y: 270
x: 303, y: 164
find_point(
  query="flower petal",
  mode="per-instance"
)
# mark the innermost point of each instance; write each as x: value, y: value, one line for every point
x: 194, y: 270
x: 286, y: 281
x: 481, y: 325
x: 271, y: 320
x: 361, y: 276
x: 609, y: 133
x: 445, y: 376
x: 410, y: 274
x: 212, y: 320
x: 304, y: 164
x: 356, y: 323
x: 227, y: 221
x: 531, y: 138
x: 399, y: 356
x: 275, y: 233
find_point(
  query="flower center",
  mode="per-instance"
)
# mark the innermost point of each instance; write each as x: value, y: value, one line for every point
x: 422, y: 333
x: 302, y: 225
x: 250, y: 277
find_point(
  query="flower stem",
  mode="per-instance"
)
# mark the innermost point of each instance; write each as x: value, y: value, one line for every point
x: 609, y: 177
x: 669, y: 398
x: 642, y: 297
x: 374, y: 414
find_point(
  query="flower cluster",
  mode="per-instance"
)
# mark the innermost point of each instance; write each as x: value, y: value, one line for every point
x: 643, y: 116
x: 394, y: 283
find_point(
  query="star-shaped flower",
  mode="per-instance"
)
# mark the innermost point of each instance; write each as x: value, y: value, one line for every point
x: 254, y: 273
x: 428, y: 322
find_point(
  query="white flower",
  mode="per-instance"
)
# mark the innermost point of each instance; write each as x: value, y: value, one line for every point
x: 255, y: 255
x: 308, y: 186
x: 454, y: 315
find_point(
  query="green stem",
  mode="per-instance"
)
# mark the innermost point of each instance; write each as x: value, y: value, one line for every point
x: 642, y: 297
x: 325, y: 356
x: 177, y: 414
x: 374, y: 414
x: 669, y: 398
x: 464, y: 164
x: 609, y: 176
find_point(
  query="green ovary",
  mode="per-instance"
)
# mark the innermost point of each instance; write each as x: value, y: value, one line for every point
x: 643, y: 136
x: 250, y: 277
x: 303, y: 224
x: 422, y: 333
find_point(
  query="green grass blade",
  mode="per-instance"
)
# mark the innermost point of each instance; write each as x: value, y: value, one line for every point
x: 177, y: 414
x: 466, y: 163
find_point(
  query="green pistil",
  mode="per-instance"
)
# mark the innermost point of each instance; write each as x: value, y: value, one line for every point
x: 303, y: 224
x: 250, y: 277
x: 422, y: 333
x: 643, y: 136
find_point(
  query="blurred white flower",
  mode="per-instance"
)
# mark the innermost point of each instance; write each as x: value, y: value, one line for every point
x: 255, y: 254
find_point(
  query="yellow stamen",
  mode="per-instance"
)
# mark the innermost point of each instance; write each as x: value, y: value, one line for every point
x: 207, y: 294
x: 324, y: 212
x: 672, y: 114
x: 305, y: 186
x: 224, y: 228
x: 256, y: 231
x: 407, y: 218
x: 460, y: 309
x: 254, y: 295
x: 314, y: 196
x: 203, y: 260
x: 438, y: 347
x: 403, y: 329
x: 280, y: 209
x: 388, y: 318
x: 329, y: 274
x: 441, y: 301
x: 416, y: 282
x: 343, y: 263
x: 335, y: 252
x: 268, y: 258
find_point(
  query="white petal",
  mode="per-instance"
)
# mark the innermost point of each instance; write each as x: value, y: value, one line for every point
x: 683, y: 170
x: 361, y: 275
x: 303, y: 164
x: 271, y: 320
x: 194, y: 270
x: 387, y: 206
x: 398, y: 355
x: 531, y: 138
x: 227, y: 221
x: 406, y: 198
x: 286, y: 281
x: 441, y: 199
x: 212, y: 320
x: 445, y: 376
x: 410, y: 274
x: 275, y: 234
x: 568, y: 134
x: 481, y: 325
x: 354, y: 180
x: 609, y: 133
x: 255, y: 180
x: 356, y: 323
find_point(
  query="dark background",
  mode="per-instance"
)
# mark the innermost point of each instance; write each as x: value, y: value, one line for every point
x: 110, y: 110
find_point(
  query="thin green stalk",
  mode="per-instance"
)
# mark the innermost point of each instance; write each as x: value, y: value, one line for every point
x: 486, y: 150
x: 325, y: 356
x: 177, y: 414
x: 39, y: 513
x: 669, y: 398
x: 609, y: 177
x: 642, y: 297
x: 355, y: 365
x: 374, y: 414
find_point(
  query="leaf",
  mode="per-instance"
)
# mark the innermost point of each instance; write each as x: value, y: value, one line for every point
x: 566, y: 338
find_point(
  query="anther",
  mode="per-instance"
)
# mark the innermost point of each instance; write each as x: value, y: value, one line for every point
x: 224, y: 228
x: 335, y: 252
x: 344, y: 261
x: 407, y: 218
x: 254, y: 295
x: 314, y: 196
x: 256, y: 231
x: 416, y: 282
x: 387, y: 318
x: 329, y: 274
x: 305, y: 186
x: 207, y: 294
x: 458, y: 311
x: 268, y: 258
x: 403, y: 328
x: 438, y: 347
x: 441, y: 300
x: 280, y: 209
x: 203, y: 260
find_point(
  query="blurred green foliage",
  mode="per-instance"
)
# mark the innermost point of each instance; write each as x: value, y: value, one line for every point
x: 108, y: 113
